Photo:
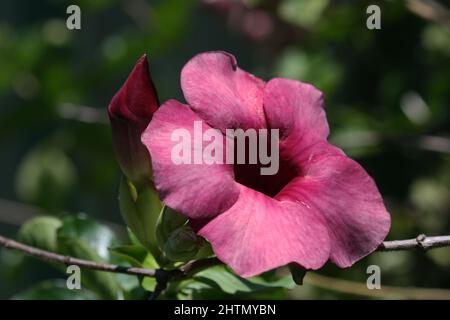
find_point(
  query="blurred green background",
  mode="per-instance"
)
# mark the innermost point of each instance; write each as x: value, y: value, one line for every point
x: 387, y: 94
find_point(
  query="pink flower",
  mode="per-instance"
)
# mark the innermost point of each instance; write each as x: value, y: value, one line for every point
x: 130, y: 111
x: 320, y: 206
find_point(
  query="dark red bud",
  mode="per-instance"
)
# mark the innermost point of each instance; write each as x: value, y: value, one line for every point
x: 130, y: 112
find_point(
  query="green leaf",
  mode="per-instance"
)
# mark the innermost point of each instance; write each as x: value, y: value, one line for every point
x: 222, y: 279
x: 205, y: 250
x: 136, y: 256
x: 40, y: 232
x: 54, y: 290
x: 168, y: 221
x: 84, y: 239
x: 140, y: 210
x: 226, y: 281
x: 148, y: 283
x: 99, y: 237
x: 285, y: 282
x: 133, y: 239
x: 102, y: 283
x: 133, y: 254
x: 130, y: 285
x: 139, y: 257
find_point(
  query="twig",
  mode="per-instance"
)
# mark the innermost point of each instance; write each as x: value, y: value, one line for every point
x: 421, y: 242
x: 163, y: 276
x: 160, y: 287
x: 196, y: 266
x: 16, y: 213
x: 430, y: 10
x: 82, y: 113
x: 162, y: 279
x: 370, y: 138
x: 54, y: 257
x: 386, y: 292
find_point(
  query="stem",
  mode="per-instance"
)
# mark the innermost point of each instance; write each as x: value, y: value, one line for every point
x: 54, y: 257
x: 421, y: 242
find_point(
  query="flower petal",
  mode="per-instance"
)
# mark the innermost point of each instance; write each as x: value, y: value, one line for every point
x: 347, y: 198
x: 222, y: 94
x: 297, y: 110
x: 259, y: 233
x: 196, y: 190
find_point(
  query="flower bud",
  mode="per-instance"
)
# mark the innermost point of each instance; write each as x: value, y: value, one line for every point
x: 130, y: 111
x: 182, y: 244
x: 176, y: 239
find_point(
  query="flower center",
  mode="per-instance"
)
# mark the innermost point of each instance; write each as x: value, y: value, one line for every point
x: 250, y: 175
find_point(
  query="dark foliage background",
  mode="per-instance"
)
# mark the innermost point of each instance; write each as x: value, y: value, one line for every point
x: 387, y: 94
